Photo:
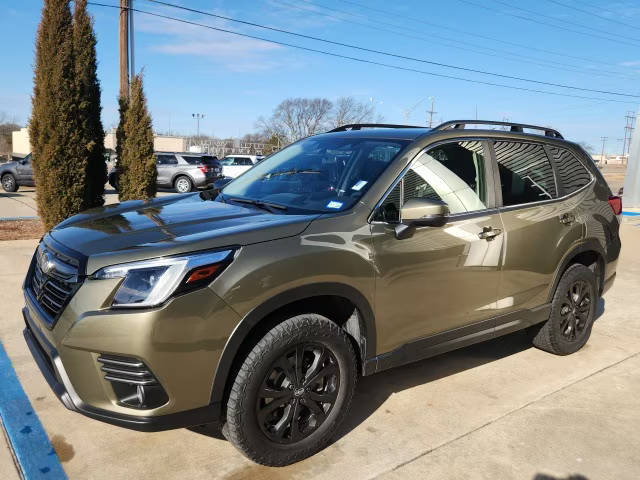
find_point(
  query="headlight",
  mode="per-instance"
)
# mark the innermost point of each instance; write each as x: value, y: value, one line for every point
x: 149, y: 283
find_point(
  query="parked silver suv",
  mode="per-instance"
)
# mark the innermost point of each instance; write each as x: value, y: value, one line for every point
x: 181, y: 171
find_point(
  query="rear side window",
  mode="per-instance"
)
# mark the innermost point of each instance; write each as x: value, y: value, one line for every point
x: 166, y: 160
x: 526, y: 174
x: 572, y: 174
x: 192, y: 160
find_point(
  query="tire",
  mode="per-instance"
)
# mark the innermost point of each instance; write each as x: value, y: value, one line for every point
x: 273, y: 438
x: 182, y: 184
x: 9, y: 183
x: 572, y: 313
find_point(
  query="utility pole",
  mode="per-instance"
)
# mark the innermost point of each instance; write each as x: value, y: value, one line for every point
x: 132, y: 68
x: 431, y: 112
x: 628, y: 130
x: 604, y: 140
x: 124, y: 48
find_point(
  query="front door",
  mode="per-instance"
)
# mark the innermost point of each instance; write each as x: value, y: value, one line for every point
x: 441, y: 278
x: 25, y: 171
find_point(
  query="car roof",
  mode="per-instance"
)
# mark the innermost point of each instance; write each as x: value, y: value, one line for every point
x: 409, y: 133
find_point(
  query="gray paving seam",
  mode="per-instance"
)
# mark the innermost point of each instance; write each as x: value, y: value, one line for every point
x: 510, y: 412
x: 11, y: 452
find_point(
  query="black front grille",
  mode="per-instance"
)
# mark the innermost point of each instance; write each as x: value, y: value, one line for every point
x: 53, y: 289
x: 126, y: 370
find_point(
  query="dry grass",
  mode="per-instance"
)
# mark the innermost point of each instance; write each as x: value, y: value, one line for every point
x: 21, y: 229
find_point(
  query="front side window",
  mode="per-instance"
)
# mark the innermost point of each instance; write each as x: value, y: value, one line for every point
x: 452, y: 173
x: 572, y: 174
x: 325, y: 173
x: 526, y: 174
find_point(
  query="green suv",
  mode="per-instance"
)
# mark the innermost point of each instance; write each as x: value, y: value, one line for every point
x: 258, y: 306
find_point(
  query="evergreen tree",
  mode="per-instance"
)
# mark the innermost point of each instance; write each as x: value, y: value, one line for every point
x: 123, y: 102
x: 59, y: 164
x: 136, y: 165
x: 88, y: 104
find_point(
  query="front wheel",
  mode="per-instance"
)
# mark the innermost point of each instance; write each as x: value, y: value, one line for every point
x: 572, y: 312
x: 9, y: 183
x: 292, y: 391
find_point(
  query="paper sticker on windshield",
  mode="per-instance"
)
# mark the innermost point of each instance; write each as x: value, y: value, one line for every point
x: 358, y: 186
x: 334, y: 204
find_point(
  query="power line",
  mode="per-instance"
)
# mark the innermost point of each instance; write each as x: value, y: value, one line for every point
x: 617, y: 22
x: 394, y: 55
x: 453, y: 43
x: 464, y: 32
x: 540, y: 22
x: 361, y: 60
x: 562, y: 20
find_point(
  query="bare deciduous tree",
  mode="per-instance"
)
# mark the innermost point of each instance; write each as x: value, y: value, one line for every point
x: 348, y: 110
x: 296, y: 118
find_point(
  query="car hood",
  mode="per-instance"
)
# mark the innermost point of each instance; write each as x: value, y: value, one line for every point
x: 169, y: 225
x: 8, y: 165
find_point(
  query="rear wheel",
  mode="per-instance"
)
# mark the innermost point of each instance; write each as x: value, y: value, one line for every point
x: 183, y: 184
x: 9, y: 183
x: 572, y: 312
x: 292, y: 391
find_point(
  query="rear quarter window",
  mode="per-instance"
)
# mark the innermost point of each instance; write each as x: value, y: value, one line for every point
x: 572, y: 174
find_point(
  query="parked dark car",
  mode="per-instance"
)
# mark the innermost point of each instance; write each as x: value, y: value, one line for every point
x: 17, y: 174
x: 181, y: 171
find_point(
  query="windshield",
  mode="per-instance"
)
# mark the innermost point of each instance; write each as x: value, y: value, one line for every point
x: 320, y: 174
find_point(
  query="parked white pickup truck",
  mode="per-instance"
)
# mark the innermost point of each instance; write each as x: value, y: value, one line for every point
x: 234, y: 165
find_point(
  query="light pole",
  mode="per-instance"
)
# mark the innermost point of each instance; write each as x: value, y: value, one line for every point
x: 198, y: 117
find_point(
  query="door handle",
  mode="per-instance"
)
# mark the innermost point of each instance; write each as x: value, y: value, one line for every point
x: 489, y: 233
x: 567, y: 218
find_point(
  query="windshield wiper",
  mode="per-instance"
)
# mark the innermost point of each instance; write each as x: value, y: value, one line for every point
x: 268, y: 206
x: 293, y: 171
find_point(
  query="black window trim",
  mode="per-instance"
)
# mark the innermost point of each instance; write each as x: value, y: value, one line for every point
x: 490, y: 167
x: 560, y: 192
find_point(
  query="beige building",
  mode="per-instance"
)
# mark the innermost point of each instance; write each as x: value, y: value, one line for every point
x: 20, y: 139
x: 161, y: 143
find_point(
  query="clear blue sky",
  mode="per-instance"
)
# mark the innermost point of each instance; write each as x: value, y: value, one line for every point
x: 233, y: 80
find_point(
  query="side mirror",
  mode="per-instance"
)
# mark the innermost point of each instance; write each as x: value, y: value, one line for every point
x: 421, y: 212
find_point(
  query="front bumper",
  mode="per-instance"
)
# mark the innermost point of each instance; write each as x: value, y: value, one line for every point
x: 48, y: 360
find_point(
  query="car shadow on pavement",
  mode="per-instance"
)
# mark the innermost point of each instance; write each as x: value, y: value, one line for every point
x: 372, y: 391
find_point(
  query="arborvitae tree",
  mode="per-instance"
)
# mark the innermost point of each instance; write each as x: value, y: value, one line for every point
x: 59, y: 165
x: 88, y: 103
x: 136, y: 165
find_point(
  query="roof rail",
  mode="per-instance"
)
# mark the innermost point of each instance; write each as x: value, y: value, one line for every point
x: 514, y: 127
x: 360, y: 126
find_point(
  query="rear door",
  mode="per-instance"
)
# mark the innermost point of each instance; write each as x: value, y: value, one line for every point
x: 165, y: 163
x: 539, y: 220
x: 441, y: 278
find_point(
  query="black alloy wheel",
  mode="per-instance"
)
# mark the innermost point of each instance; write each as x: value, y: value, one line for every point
x: 293, y: 391
x: 575, y: 309
x: 572, y: 313
x: 298, y: 393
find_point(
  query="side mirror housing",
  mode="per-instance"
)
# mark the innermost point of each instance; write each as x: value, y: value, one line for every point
x: 421, y: 212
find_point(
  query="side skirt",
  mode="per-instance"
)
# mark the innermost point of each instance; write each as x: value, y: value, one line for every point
x: 457, y: 338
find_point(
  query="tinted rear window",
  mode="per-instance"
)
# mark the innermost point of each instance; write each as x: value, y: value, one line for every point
x: 526, y: 174
x: 572, y: 174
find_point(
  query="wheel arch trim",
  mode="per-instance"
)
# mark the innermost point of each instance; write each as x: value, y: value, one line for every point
x: 245, y: 327
x: 590, y: 245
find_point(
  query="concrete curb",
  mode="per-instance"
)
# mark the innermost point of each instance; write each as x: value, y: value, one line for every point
x: 35, y: 456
